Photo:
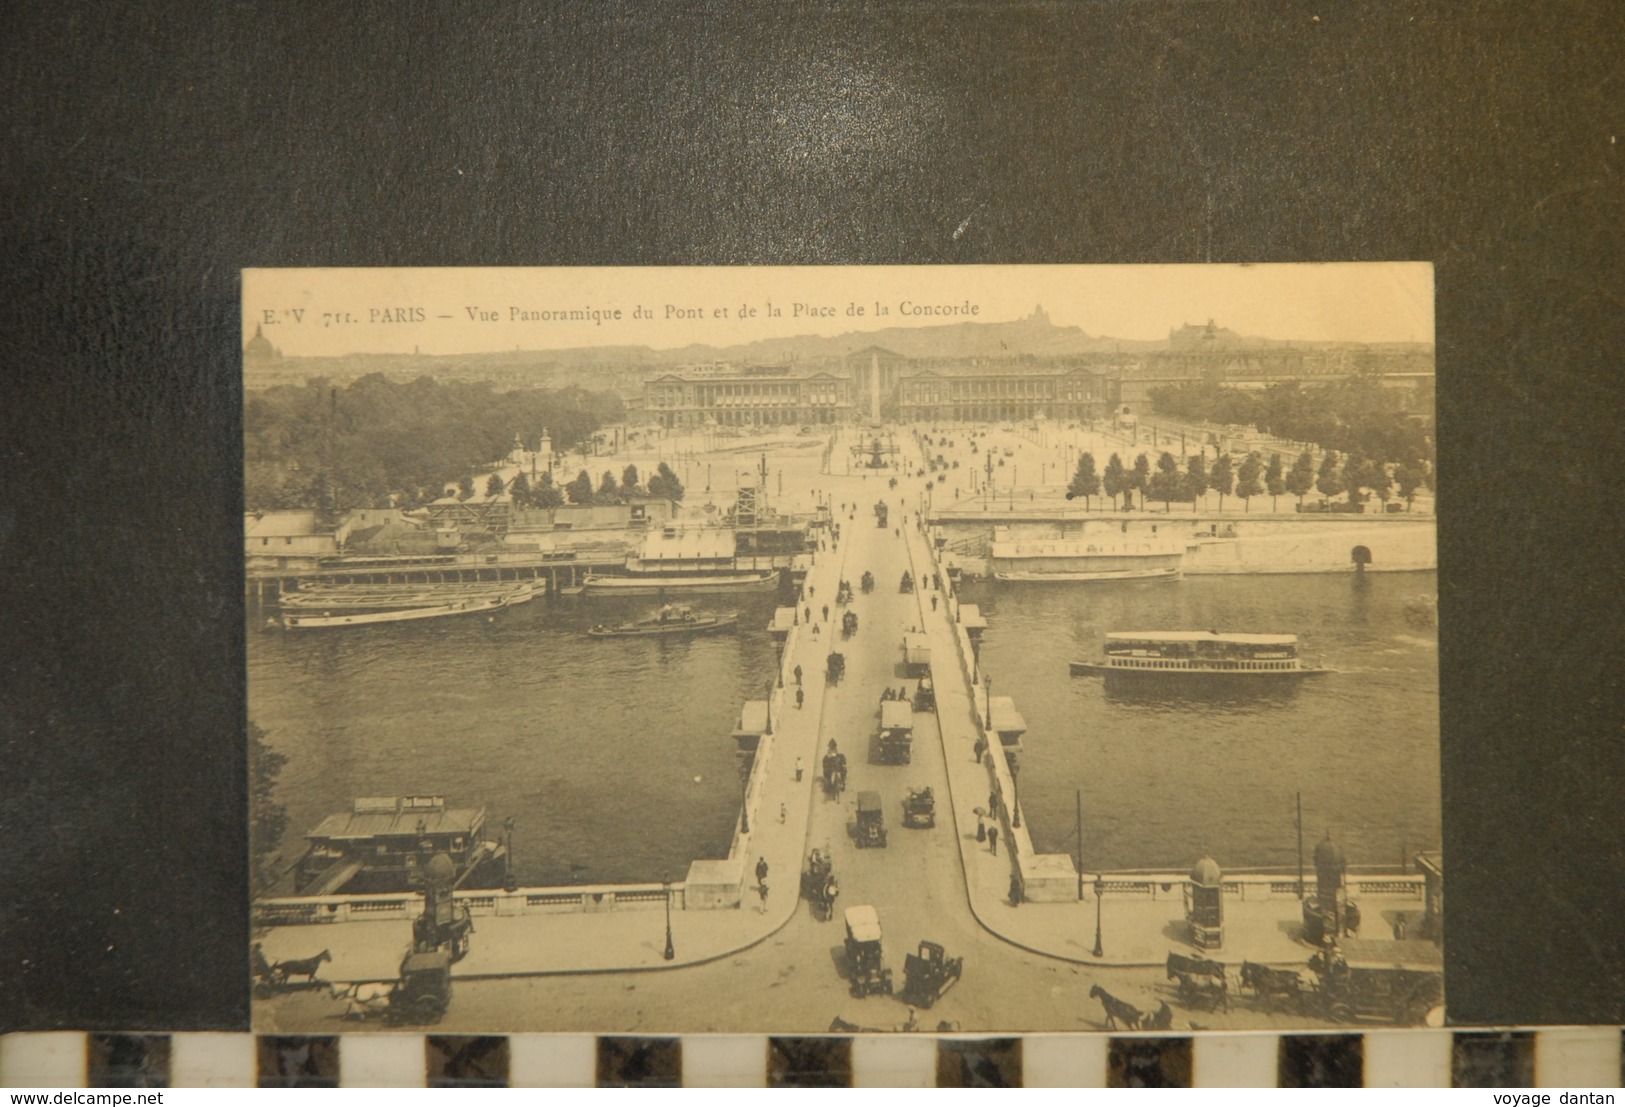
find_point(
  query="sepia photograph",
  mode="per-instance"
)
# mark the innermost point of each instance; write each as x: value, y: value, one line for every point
x: 1016, y: 649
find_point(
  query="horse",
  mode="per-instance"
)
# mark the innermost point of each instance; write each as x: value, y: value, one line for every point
x: 1200, y: 981
x: 364, y: 1000
x: 306, y: 968
x: 1117, y: 1009
x: 1267, y: 983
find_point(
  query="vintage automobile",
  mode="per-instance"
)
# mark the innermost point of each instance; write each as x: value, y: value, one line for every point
x: 870, y: 829
x: 928, y: 974
x: 919, y: 809
x: 1399, y: 982
x: 896, y: 738
x: 925, y: 695
x: 863, y: 953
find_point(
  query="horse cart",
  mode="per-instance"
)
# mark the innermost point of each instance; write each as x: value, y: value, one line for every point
x: 928, y: 974
x: 849, y: 624
x: 919, y: 809
x: 419, y: 996
x: 1400, y: 982
x: 867, y: 582
x: 925, y: 695
x: 1201, y: 982
x: 834, y: 771
x: 863, y: 953
x: 906, y: 584
x: 272, y: 977
x: 870, y: 829
x: 835, y: 668
x: 818, y: 885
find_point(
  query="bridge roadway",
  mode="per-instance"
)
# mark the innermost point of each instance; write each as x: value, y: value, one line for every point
x: 774, y: 967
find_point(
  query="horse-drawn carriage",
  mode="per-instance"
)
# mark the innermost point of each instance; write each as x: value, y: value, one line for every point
x: 420, y: 995
x: 849, y: 624
x: 870, y: 829
x: 818, y: 885
x: 275, y: 976
x: 907, y: 583
x: 835, y: 668
x: 919, y: 809
x: 1201, y: 982
x: 863, y: 953
x: 843, y: 594
x: 867, y: 582
x: 834, y: 771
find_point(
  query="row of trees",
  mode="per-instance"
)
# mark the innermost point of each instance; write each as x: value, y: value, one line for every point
x: 1355, y: 416
x: 1353, y: 475
x: 544, y: 493
x: 377, y: 441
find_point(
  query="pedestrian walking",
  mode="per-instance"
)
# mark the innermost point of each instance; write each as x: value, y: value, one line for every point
x: 800, y: 696
x: 798, y: 676
x: 993, y: 802
x: 933, y: 602
x: 761, y: 890
x: 979, y: 748
x: 981, y: 828
x: 761, y: 870
x: 993, y: 839
x: 815, y: 630
x: 798, y: 761
x: 826, y: 613
x: 807, y: 612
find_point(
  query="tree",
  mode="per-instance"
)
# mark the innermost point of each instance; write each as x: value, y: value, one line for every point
x: 1302, y: 477
x: 608, y: 491
x: 1274, y: 480
x: 1381, y: 483
x: 1116, y: 481
x: 465, y: 487
x: 1409, y: 477
x: 1167, y: 484
x: 1222, y: 478
x: 1196, y: 479
x: 630, y: 485
x: 494, y: 486
x: 267, y: 819
x: 1247, y: 483
x: 1085, y: 482
x: 1140, y: 477
x: 519, y: 489
x: 1329, y: 482
x: 547, y: 494
x: 664, y: 484
x: 1356, y: 475
x: 580, y: 489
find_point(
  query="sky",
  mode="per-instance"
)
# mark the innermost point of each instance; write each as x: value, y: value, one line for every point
x: 322, y: 312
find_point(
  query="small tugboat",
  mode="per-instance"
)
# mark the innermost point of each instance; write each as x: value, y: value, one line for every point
x: 669, y: 619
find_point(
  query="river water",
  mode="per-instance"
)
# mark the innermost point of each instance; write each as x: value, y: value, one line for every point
x: 615, y: 757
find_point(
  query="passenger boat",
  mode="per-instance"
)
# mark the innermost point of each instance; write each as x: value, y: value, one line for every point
x: 698, y: 561
x: 361, y: 606
x: 1085, y: 560
x: 671, y: 619
x: 1187, y: 653
x: 381, y: 843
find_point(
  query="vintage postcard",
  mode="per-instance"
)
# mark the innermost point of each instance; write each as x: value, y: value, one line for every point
x: 983, y: 649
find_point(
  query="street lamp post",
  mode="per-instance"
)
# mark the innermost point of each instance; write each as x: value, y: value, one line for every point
x: 988, y: 679
x: 744, y: 777
x: 665, y: 884
x: 1015, y: 789
x: 1100, y: 890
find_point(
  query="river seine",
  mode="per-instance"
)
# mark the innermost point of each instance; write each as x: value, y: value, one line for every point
x: 615, y: 759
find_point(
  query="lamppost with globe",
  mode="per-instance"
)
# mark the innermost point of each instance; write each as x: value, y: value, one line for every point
x: 1100, y: 891
x: 665, y: 885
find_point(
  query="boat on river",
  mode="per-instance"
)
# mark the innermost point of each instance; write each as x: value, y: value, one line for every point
x: 1198, y: 653
x: 382, y: 843
x: 669, y: 620
x: 362, y: 605
x: 1086, y: 560
x: 698, y: 561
